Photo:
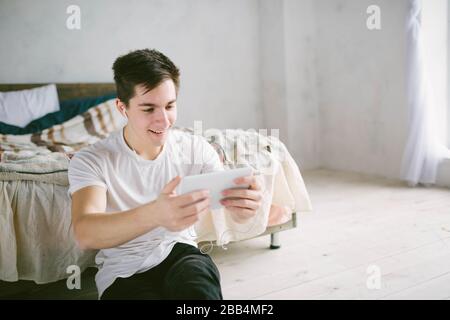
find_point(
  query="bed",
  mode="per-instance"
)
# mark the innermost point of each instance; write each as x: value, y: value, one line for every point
x: 35, y: 225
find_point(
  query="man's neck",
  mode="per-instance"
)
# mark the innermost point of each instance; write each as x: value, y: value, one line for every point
x: 147, y: 152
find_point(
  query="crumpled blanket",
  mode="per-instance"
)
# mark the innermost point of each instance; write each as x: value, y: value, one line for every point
x: 276, y: 171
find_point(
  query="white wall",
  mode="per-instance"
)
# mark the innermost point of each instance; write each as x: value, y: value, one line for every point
x: 310, y: 68
x: 301, y: 82
x: 361, y: 86
x: 215, y: 43
x: 289, y: 92
x: 339, y: 86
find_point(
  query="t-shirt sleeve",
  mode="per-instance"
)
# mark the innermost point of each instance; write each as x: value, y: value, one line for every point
x: 211, y: 159
x: 85, y: 170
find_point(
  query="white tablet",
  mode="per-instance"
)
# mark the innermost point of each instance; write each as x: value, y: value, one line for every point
x: 215, y: 182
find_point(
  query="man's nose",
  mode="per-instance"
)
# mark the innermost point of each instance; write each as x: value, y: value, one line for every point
x: 163, y: 118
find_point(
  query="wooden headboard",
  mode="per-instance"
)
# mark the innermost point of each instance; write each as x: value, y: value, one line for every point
x: 68, y: 90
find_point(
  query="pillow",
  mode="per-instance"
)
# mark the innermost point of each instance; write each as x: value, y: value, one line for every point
x: 20, y: 107
x: 68, y: 109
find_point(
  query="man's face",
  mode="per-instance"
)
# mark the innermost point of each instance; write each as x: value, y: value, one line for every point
x: 151, y: 114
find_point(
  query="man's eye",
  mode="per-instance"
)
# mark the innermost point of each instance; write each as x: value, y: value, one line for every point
x: 170, y: 107
x: 149, y: 110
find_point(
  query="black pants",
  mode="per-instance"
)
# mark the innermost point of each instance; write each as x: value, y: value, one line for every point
x: 185, y: 274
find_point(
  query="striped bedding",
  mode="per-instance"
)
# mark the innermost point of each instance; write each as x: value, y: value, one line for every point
x: 26, y: 152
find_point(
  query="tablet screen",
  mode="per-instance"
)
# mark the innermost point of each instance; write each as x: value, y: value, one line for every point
x: 215, y: 182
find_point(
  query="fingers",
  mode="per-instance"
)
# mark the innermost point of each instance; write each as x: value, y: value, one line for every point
x: 193, y: 218
x: 242, y: 213
x: 242, y: 193
x: 248, y: 180
x: 191, y: 197
x: 171, y: 186
x: 197, y: 207
x: 244, y: 201
x: 241, y: 203
x: 188, y: 221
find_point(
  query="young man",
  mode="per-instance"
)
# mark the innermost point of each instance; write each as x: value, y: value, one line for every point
x: 123, y: 192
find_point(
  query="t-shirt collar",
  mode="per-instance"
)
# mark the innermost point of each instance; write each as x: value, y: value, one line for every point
x: 138, y: 158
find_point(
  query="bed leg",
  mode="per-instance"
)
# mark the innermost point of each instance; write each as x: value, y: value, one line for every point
x: 275, y: 240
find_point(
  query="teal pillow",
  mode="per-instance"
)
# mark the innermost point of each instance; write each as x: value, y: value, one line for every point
x: 68, y: 110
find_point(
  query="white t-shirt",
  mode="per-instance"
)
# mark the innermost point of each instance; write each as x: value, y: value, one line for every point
x: 132, y: 181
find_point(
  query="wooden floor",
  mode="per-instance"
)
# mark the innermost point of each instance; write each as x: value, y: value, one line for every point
x: 361, y: 227
x: 362, y: 230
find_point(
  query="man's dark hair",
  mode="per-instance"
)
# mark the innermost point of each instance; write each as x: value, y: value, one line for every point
x: 142, y: 67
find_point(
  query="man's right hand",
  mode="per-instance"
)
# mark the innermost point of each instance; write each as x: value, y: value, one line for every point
x: 177, y: 213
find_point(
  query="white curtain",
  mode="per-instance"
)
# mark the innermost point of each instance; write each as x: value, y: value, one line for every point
x: 424, y: 150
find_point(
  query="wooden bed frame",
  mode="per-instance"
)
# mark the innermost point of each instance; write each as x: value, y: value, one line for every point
x: 68, y: 90
x: 58, y: 290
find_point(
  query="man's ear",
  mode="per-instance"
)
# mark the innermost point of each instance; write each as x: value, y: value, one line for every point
x: 120, y: 106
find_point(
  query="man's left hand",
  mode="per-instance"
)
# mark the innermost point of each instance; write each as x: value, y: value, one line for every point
x: 243, y: 203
